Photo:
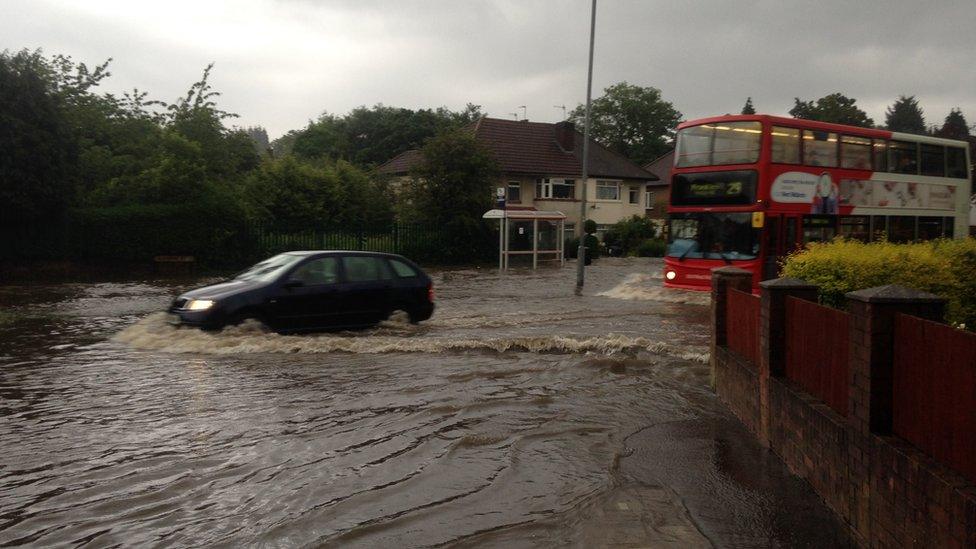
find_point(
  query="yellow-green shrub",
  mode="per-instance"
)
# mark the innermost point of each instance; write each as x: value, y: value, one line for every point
x: 946, y: 268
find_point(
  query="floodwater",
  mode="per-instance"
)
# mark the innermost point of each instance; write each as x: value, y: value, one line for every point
x: 520, y: 415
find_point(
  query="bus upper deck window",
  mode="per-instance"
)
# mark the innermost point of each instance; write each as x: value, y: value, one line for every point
x: 880, y: 155
x: 819, y: 148
x: 933, y: 160
x: 956, y: 162
x: 786, y: 145
x: 903, y: 157
x: 855, y: 152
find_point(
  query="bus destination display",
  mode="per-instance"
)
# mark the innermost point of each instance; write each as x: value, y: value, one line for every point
x: 713, y: 188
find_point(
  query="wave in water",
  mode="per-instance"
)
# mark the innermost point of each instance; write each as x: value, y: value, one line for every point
x: 648, y: 287
x: 153, y: 333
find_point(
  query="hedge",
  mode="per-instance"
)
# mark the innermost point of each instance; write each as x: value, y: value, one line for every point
x: 946, y: 268
x: 215, y: 233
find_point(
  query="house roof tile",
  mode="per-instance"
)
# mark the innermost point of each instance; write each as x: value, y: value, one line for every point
x: 531, y: 148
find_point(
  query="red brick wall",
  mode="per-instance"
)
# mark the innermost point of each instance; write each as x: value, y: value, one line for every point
x: 737, y: 384
x: 890, y: 492
x: 811, y: 439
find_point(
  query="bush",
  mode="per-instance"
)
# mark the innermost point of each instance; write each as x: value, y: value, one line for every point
x: 943, y: 267
x: 652, y: 247
x: 571, y: 249
x: 589, y: 227
x: 215, y: 233
x: 630, y: 234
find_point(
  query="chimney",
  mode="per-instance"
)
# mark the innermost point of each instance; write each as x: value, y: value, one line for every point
x: 565, y: 135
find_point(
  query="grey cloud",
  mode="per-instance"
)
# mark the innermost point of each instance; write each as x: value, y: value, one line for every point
x: 282, y: 63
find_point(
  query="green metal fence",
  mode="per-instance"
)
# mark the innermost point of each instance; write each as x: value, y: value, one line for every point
x: 230, y: 245
x: 417, y: 241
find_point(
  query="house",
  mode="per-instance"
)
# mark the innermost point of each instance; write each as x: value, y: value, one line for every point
x: 541, y: 165
x: 659, y: 192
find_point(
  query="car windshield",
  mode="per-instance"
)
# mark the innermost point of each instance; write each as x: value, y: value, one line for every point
x: 269, y: 269
x: 725, y: 236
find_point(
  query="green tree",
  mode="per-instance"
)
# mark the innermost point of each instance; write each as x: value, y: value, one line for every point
x: 954, y: 127
x: 38, y: 144
x: 258, y: 135
x: 905, y: 115
x: 835, y: 108
x: 371, y: 136
x: 634, y: 121
x: 748, y: 108
x: 450, y: 190
x: 291, y: 194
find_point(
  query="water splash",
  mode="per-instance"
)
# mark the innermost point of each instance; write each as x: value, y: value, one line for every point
x: 153, y: 333
x: 648, y: 287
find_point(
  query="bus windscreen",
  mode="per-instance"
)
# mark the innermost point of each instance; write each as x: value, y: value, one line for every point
x: 710, y: 235
x: 714, y: 188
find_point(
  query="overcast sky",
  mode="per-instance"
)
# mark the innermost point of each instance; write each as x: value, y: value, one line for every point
x: 280, y: 63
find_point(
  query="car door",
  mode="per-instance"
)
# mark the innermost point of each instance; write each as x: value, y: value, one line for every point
x: 311, y: 296
x: 368, y: 281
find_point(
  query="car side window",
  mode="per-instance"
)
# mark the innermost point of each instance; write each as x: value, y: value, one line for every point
x: 317, y: 271
x: 403, y: 270
x: 365, y: 269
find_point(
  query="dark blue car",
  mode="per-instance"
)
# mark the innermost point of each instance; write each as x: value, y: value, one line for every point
x: 312, y: 290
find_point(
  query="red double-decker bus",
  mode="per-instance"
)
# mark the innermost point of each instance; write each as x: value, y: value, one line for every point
x: 748, y: 189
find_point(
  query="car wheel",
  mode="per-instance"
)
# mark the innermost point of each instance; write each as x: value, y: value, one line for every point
x: 415, y: 317
x: 247, y: 320
x: 399, y: 316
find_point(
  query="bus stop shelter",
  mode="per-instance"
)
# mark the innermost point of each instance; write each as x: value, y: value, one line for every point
x: 529, y: 232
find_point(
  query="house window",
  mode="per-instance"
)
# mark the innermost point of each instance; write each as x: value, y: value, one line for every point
x: 633, y: 195
x: 514, y: 191
x: 548, y: 188
x: 649, y: 200
x: 607, y: 190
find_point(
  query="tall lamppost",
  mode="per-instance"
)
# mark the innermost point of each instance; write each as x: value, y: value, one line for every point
x: 581, y: 253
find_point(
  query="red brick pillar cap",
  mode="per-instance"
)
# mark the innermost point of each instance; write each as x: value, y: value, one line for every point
x: 730, y: 271
x: 893, y: 293
x: 787, y: 284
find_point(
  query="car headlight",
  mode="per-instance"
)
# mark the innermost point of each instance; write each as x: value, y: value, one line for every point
x: 199, y: 304
x: 670, y: 275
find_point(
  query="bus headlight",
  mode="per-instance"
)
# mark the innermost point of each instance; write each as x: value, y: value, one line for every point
x: 670, y: 275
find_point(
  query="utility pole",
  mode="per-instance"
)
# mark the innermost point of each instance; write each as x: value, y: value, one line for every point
x: 581, y: 253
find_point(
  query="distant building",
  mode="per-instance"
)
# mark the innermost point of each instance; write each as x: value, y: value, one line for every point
x: 541, y: 167
x: 659, y: 192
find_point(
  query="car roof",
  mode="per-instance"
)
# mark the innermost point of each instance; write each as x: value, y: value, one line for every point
x: 306, y: 253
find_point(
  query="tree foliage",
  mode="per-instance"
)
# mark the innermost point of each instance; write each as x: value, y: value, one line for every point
x: 296, y: 195
x: 632, y: 120
x: 905, y: 115
x: 836, y: 108
x: 38, y: 144
x: 748, y: 108
x: 955, y: 126
x: 451, y: 189
x: 371, y: 136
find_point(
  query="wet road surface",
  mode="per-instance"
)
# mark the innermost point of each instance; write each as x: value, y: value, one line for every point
x: 520, y: 415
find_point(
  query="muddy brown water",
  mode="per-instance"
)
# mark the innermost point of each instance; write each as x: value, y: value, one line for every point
x: 509, y: 419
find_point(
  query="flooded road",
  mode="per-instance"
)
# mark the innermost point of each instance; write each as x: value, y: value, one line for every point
x: 520, y: 415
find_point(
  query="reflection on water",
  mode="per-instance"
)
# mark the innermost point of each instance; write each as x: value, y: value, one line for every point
x: 504, y: 416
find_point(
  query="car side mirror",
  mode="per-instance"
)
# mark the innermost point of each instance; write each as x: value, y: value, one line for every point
x: 293, y: 283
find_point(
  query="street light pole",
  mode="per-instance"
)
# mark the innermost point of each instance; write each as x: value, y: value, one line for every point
x: 581, y: 253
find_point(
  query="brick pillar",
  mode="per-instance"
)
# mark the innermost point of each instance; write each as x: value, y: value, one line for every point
x: 870, y: 377
x: 772, y: 336
x: 724, y: 278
